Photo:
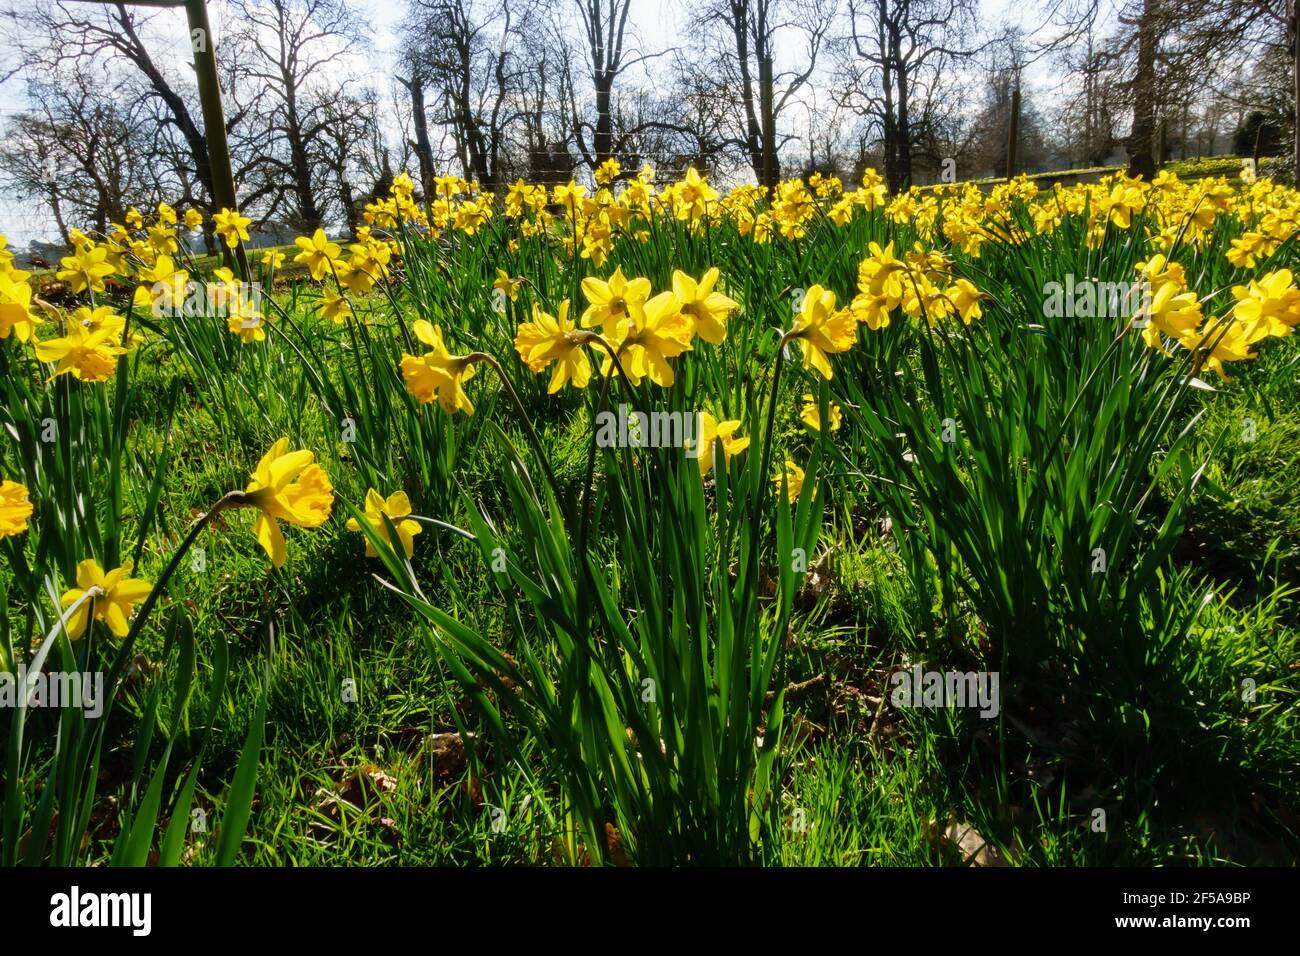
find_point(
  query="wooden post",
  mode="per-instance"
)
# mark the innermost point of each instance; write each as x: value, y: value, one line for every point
x: 1013, y: 132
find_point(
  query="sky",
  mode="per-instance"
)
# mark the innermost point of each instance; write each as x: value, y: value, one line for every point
x: 655, y: 25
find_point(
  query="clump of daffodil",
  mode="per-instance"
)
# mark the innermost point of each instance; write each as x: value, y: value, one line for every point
x: 554, y: 339
x: 811, y: 414
x: 397, y: 507
x: 114, y: 602
x: 821, y: 330
x: 287, y: 486
x: 437, y: 373
x: 15, y: 508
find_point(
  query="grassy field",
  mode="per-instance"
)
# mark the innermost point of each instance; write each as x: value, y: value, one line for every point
x: 607, y: 654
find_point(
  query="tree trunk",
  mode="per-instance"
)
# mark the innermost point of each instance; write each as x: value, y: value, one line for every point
x: 349, y: 206
x: 904, y: 131
x: 420, y: 120
x: 890, y: 132
x: 753, y: 129
x: 1141, y: 141
x: 308, y: 213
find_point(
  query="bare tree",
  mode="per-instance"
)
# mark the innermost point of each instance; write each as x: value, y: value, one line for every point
x: 465, y: 71
x: 53, y: 37
x: 81, y: 149
x: 300, y: 49
x: 895, y: 48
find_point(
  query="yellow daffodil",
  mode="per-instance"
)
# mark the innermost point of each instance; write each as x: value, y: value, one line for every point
x: 397, y: 507
x: 507, y: 286
x: 549, y: 339
x: 608, y: 171
x: 15, y: 508
x: 965, y: 298
x: 711, y: 431
x: 15, y: 308
x: 644, y: 342
x: 316, y: 253
x: 86, y: 269
x: 792, y: 477
x: 90, y: 355
x: 614, y: 301
x: 703, y: 306
x: 231, y: 226
x: 1172, y: 312
x: 245, y: 319
x: 820, y: 330
x: 811, y: 413
x: 287, y: 486
x: 693, y: 195
x: 334, y: 306
x: 437, y: 373
x: 1218, y: 343
x: 1269, y: 305
x: 114, y: 607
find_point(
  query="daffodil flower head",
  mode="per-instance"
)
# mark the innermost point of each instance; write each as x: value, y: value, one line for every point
x: 713, y: 431
x: 644, y: 343
x: 614, y: 301
x: 554, y: 339
x: 438, y: 374
x: 707, y: 309
x: 821, y: 330
x: 287, y: 486
x: 114, y: 606
x: 810, y: 414
x: 792, y: 478
x: 397, y: 507
x: 15, y: 508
